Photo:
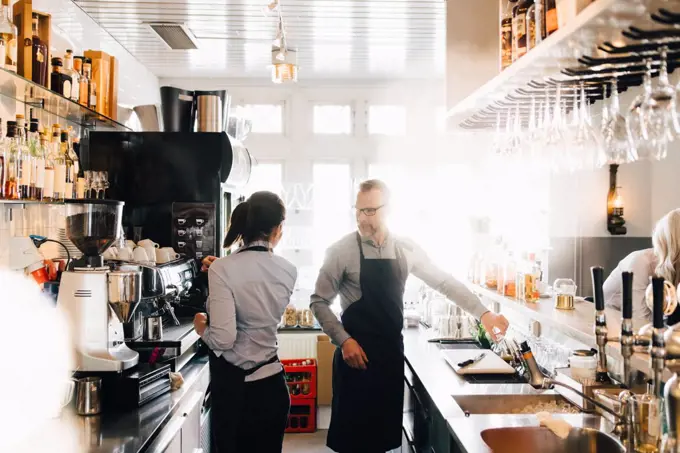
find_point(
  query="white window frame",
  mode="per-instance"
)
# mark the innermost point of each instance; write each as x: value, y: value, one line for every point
x: 403, y: 130
x: 278, y: 162
x: 243, y: 103
x: 352, y: 119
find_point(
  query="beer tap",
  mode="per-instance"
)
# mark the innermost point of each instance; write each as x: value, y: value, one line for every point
x: 657, y: 350
x: 672, y: 391
x: 601, y: 332
x: 627, y: 336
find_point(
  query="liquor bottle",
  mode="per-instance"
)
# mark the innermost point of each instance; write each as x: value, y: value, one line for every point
x: 91, y: 87
x: 26, y: 164
x: 506, y: 35
x: 40, y: 55
x: 60, y: 82
x: 78, y: 67
x: 85, y: 85
x: 70, y: 175
x: 59, y: 165
x: 551, y: 23
x: 38, y: 160
x: 509, y: 270
x: 531, y: 26
x: 12, y: 163
x: 74, y: 74
x: 48, y: 192
x: 519, y: 29
x: 539, y: 18
x: 8, y: 39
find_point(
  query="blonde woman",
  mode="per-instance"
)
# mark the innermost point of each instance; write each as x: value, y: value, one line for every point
x: 662, y: 260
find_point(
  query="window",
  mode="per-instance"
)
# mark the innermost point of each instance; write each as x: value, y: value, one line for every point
x: 266, y: 118
x: 387, y: 119
x: 332, y: 206
x: 265, y: 176
x: 333, y: 119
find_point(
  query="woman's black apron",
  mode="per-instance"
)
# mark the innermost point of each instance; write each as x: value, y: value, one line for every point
x: 227, y: 389
x: 368, y: 405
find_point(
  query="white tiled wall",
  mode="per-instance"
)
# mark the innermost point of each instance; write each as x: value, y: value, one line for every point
x: 41, y: 219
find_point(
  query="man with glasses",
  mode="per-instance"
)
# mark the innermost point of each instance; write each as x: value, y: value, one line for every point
x: 368, y: 271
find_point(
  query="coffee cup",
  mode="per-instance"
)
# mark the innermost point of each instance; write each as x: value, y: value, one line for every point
x: 166, y: 254
x: 125, y: 254
x: 200, y: 222
x: 139, y: 255
x: 199, y: 244
x: 111, y: 253
x: 199, y: 231
x: 181, y: 233
x: 147, y: 243
x: 130, y: 243
x: 181, y: 222
x: 151, y: 253
x: 181, y: 244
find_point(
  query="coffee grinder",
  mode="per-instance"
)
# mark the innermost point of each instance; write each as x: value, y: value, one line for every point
x: 96, y: 299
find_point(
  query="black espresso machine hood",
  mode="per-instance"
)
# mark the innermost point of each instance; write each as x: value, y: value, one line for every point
x: 178, y: 187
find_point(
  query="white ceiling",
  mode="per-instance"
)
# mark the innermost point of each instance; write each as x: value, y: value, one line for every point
x: 335, y: 39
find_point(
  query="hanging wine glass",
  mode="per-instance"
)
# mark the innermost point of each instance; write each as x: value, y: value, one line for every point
x: 618, y: 144
x: 555, y: 142
x: 587, y: 143
x: 659, y: 111
x: 635, y: 122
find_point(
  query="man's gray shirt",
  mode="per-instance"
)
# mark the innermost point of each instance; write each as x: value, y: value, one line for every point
x: 339, y: 276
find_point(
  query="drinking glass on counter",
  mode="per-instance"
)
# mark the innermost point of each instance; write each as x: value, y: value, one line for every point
x: 647, y: 410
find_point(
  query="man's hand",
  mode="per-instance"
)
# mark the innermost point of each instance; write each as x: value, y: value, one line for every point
x: 354, y: 355
x: 207, y: 261
x: 200, y: 323
x: 494, y: 324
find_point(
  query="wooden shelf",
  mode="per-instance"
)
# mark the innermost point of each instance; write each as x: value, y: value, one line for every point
x: 600, y: 22
x: 37, y: 96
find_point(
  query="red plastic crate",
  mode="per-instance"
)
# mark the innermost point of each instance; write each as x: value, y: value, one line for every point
x: 302, y: 417
x: 301, y: 385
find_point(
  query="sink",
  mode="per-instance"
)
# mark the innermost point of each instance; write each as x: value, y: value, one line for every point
x: 514, y: 404
x: 530, y: 439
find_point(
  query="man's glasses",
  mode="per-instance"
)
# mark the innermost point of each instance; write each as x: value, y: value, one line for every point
x: 369, y: 212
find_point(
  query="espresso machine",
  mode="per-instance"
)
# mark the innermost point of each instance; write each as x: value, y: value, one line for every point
x: 96, y: 299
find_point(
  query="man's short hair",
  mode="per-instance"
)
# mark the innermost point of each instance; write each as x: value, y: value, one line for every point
x: 375, y: 184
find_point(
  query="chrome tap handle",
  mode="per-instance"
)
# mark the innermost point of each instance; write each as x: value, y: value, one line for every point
x: 601, y: 332
x: 627, y: 336
x: 658, y: 351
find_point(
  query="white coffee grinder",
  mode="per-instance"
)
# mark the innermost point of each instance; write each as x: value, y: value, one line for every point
x: 96, y: 299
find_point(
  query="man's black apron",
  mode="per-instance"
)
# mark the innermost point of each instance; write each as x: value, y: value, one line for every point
x: 368, y: 405
x: 227, y: 389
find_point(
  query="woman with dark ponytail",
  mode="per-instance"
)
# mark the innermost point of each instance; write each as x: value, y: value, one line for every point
x: 249, y: 291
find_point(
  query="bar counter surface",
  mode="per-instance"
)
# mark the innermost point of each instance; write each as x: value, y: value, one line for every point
x: 123, y: 432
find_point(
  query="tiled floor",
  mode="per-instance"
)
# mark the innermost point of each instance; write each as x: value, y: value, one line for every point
x: 306, y: 443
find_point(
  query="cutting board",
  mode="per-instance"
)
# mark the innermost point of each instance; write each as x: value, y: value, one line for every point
x: 490, y: 364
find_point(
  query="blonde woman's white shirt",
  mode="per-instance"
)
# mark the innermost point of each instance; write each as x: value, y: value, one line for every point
x: 642, y: 264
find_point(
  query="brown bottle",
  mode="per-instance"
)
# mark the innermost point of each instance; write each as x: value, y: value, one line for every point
x: 519, y: 29
x: 40, y: 55
x: 506, y: 35
x: 550, y: 11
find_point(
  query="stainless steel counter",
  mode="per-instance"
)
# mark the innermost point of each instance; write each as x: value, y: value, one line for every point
x: 443, y: 384
x: 122, y: 432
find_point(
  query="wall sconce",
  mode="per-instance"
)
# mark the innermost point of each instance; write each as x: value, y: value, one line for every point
x: 615, y: 221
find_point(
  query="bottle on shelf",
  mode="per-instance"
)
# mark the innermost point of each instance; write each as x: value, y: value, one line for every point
x: 531, y: 277
x: 12, y: 163
x: 59, y: 165
x: 92, y: 86
x: 69, y: 188
x: 38, y: 160
x: 40, y: 54
x: 509, y: 271
x: 520, y: 275
x: 84, y: 85
x: 519, y: 29
x: 506, y: 34
x: 539, y: 20
x: 75, y: 75
x: 48, y: 192
x: 8, y: 38
x: 531, y: 26
x: 78, y: 68
x: 60, y: 82
x: 26, y: 161
x: 551, y: 22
